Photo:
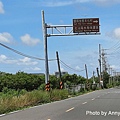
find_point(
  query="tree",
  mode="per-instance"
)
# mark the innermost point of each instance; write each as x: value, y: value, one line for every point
x: 54, y: 82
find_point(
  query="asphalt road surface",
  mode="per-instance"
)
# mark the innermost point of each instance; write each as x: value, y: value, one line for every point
x: 98, y: 105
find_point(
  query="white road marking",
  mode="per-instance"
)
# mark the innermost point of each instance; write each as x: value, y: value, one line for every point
x: 93, y: 99
x: 10, y: 113
x: 70, y: 109
x: 2, y: 115
x: 84, y: 103
x: 48, y: 119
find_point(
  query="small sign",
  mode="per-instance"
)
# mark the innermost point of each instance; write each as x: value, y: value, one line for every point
x: 86, y: 25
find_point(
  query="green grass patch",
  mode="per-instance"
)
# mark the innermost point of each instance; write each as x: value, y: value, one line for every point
x: 10, y: 102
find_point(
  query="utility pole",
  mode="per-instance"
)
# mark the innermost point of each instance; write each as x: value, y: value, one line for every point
x: 45, y: 48
x: 100, y: 77
x: 93, y: 77
x: 98, y: 72
x: 111, y: 76
x: 109, y: 73
x: 104, y: 68
x: 86, y: 72
x: 87, y: 76
x: 58, y: 62
x: 60, y: 76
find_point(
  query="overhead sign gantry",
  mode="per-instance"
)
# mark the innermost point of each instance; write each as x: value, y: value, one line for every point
x: 87, y: 26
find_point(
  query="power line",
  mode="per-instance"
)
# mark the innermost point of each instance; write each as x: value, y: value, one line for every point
x: 114, y: 48
x: 67, y: 66
x: 22, y: 54
x: 117, y: 50
x: 29, y: 56
x: 115, y: 45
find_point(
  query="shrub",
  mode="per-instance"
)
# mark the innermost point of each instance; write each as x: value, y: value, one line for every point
x: 58, y: 94
x: 10, y: 103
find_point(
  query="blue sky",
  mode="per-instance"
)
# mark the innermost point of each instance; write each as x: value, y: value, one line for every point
x: 21, y: 29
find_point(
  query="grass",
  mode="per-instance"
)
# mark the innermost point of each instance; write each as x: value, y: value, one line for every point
x: 10, y: 103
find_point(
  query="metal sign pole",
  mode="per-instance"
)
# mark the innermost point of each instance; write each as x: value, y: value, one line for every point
x: 45, y: 48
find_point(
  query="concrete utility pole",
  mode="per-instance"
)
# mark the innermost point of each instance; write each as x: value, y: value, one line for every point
x: 100, y: 77
x: 60, y: 76
x: 58, y: 65
x: 45, y: 48
x: 98, y: 72
x: 87, y: 85
x: 104, y: 68
x: 109, y: 74
x: 93, y: 77
x: 86, y: 72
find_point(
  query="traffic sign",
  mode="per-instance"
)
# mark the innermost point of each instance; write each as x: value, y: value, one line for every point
x: 86, y: 25
x: 47, y: 86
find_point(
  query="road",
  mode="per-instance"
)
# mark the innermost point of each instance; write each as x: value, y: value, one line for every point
x: 97, y: 105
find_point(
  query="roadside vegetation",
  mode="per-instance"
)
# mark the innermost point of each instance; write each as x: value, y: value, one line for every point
x: 21, y: 90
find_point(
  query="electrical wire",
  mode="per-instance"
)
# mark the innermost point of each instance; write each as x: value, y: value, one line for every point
x: 114, y: 54
x: 22, y: 54
x: 115, y: 45
x: 65, y: 65
x: 29, y: 56
x: 115, y: 48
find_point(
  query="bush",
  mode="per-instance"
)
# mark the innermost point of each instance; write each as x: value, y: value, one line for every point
x: 10, y: 103
x: 56, y: 94
x: 109, y: 86
x: 42, y: 87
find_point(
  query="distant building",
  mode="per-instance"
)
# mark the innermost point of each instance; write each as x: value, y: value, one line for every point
x: 37, y: 73
x: 62, y: 73
x: 116, y: 73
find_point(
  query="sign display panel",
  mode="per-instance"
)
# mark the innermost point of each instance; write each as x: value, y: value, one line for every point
x: 86, y: 25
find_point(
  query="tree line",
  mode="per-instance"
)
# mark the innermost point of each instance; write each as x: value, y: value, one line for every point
x: 30, y: 82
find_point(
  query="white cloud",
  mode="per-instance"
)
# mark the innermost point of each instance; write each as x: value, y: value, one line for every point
x: 1, y: 8
x: 6, y: 37
x: 62, y: 70
x: 32, y: 69
x: 3, y: 57
x: 115, y: 34
x: 57, y: 3
x: 106, y: 2
x: 77, y: 68
x: 26, y: 61
x: 63, y: 3
x: 26, y: 64
x: 28, y: 40
x: 36, y: 69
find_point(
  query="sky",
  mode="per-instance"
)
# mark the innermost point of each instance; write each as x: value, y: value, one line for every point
x: 21, y: 30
